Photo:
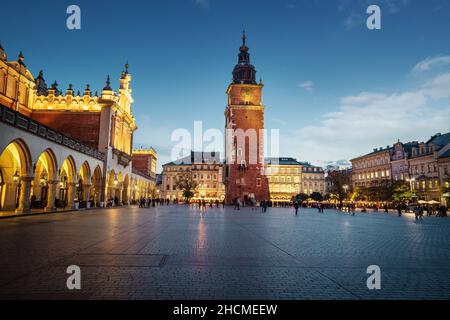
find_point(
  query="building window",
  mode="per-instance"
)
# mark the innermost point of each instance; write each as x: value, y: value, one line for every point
x: 258, y: 182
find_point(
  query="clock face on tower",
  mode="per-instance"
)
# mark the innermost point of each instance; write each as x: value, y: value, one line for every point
x: 246, y: 94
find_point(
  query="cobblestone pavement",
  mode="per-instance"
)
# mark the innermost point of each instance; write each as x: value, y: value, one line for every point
x: 175, y: 252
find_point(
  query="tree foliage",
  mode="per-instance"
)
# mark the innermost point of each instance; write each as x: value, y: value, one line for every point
x: 401, y: 193
x: 187, y: 185
x: 302, y: 197
x: 316, y: 196
x: 336, y: 180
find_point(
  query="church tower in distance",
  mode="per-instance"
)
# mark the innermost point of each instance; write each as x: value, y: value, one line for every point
x: 244, y: 137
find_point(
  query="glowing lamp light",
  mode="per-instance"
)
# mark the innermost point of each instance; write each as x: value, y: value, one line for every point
x: 116, y: 181
x: 42, y: 181
x: 16, y: 177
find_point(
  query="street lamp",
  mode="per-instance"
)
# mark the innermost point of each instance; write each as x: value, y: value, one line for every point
x: 411, y: 181
x: 345, y: 187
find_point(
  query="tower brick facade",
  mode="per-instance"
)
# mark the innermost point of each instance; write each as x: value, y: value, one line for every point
x: 244, y: 125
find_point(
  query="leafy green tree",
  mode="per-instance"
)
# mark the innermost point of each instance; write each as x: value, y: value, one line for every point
x: 187, y: 185
x: 316, y: 196
x: 401, y: 193
x: 445, y: 189
x: 381, y: 191
x: 302, y: 197
x: 153, y: 192
x: 339, y: 183
x: 360, y: 194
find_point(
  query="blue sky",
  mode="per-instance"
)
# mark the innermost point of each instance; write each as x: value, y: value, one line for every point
x: 334, y: 88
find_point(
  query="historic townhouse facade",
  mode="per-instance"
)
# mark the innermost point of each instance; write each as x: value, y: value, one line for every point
x: 313, y: 179
x: 205, y: 168
x: 400, y: 160
x: 372, y: 169
x: 425, y: 176
x: 423, y: 165
x: 444, y: 173
x: 61, y: 149
x: 285, y: 178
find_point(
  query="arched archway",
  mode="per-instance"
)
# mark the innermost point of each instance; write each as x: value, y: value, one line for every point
x: 113, y: 185
x: 45, y: 180
x: 83, y: 185
x: 96, y: 187
x: 126, y: 190
x: 15, y: 168
x: 67, y: 184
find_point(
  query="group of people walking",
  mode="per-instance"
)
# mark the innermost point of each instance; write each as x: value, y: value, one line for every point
x: 149, y: 202
x: 203, y: 204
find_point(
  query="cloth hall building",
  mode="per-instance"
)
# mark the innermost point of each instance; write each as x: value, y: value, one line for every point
x: 66, y: 149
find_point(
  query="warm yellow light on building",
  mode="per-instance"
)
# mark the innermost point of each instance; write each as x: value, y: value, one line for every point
x: 16, y: 176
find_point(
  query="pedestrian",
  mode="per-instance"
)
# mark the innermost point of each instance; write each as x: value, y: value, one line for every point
x: 238, y: 204
x: 296, y: 207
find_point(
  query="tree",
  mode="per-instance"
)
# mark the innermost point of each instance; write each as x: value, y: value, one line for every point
x: 316, y: 196
x: 187, y: 185
x: 302, y: 197
x: 445, y: 189
x: 339, y: 183
x: 153, y: 192
x: 401, y: 193
x: 360, y: 194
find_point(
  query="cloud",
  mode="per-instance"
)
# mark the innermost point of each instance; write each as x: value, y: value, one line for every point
x: 431, y: 63
x: 353, y: 20
x: 307, y: 85
x: 202, y: 3
x: 369, y: 120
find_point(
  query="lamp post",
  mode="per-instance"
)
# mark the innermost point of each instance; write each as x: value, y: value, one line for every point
x: 345, y: 187
x: 411, y: 181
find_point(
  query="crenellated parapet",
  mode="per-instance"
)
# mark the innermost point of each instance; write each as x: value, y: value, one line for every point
x: 55, y: 100
x: 148, y: 152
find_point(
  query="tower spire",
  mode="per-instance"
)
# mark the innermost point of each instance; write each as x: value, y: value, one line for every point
x: 108, y: 84
x: 244, y: 72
